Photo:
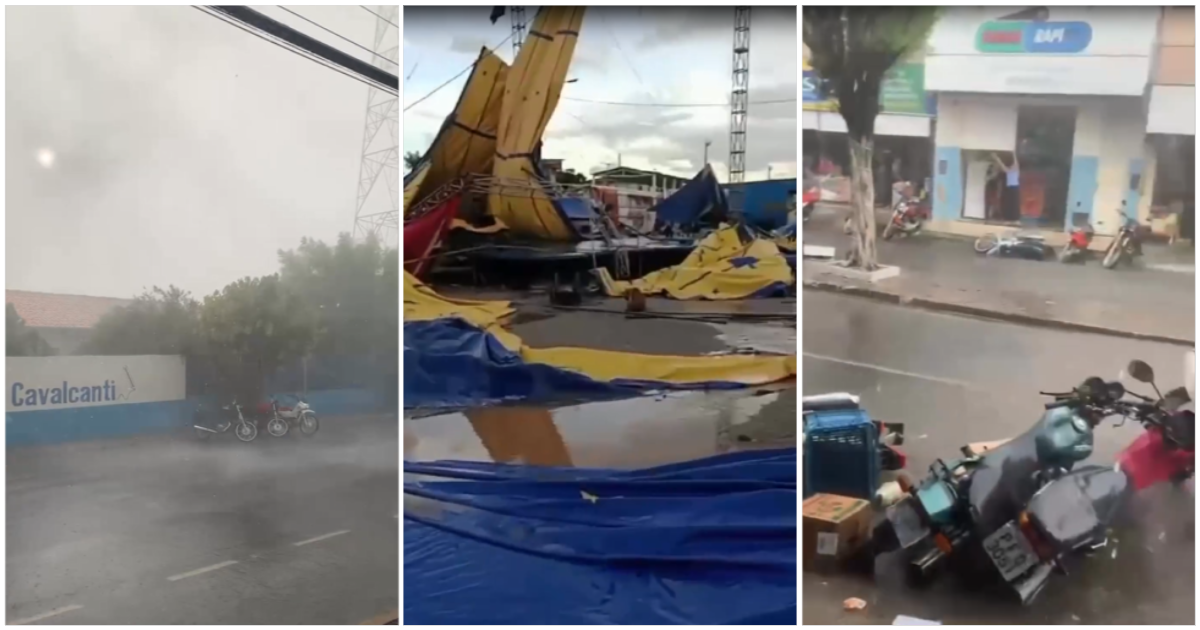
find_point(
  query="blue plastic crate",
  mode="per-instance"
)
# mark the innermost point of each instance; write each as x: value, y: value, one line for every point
x: 841, y: 454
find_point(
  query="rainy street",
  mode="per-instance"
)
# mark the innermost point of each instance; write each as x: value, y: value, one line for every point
x: 954, y: 380
x: 175, y: 531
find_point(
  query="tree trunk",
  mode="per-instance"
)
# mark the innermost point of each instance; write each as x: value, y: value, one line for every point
x: 862, y: 205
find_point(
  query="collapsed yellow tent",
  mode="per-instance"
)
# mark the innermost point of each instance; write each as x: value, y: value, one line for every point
x: 721, y: 267
x: 466, y: 143
x: 531, y: 93
x: 422, y: 303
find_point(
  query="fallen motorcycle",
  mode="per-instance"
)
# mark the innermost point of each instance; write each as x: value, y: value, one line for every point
x: 1078, y: 242
x: 1022, y: 511
x: 1013, y: 245
x: 812, y: 195
x: 908, y: 217
x: 206, y: 423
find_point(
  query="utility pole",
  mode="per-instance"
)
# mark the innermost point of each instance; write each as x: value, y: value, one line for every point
x: 768, y: 171
x: 707, y: 143
x: 377, y: 206
x: 740, y: 95
x: 518, y: 28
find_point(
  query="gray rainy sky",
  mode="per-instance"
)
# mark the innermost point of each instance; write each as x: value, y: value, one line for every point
x: 645, y: 55
x: 186, y: 151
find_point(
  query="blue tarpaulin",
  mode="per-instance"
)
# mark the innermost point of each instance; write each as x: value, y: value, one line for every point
x: 700, y: 200
x: 711, y: 541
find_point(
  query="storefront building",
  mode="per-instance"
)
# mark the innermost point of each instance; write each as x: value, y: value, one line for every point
x: 1170, y: 208
x: 1064, y: 90
x: 903, y: 131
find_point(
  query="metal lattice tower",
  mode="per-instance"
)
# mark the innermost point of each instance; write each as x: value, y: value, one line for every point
x: 377, y: 208
x: 740, y: 95
x: 518, y: 29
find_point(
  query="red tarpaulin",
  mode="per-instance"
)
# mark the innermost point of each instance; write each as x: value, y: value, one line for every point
x: 424, y: 233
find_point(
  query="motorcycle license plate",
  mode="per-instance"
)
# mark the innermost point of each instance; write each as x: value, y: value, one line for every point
x: 1010, y: 551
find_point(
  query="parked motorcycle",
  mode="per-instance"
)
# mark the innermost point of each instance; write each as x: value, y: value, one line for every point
x: 809, y: 199
x: 1125, y: 246
x: 908, y: 216
x: 230, y: 416
x: 1022, y: 510
x: 1076, y: 249
x: 299, y: 414
x: 1013, y: 245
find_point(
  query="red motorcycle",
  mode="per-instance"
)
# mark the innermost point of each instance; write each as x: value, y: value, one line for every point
x: 809, y: 199
x: 908, y: 216
x: 1077, y: 245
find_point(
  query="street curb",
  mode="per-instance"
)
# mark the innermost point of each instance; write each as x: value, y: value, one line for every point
x: 986, y: 313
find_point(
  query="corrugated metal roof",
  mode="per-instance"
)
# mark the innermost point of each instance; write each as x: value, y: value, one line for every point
x: 59, y: 310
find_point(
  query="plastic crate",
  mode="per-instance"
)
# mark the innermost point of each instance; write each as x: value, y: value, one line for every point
x: 841, y: 454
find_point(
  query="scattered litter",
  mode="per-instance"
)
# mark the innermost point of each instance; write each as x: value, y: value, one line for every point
x: 1114, y: 553
x: 854, y: 603
x: 905, y: 620
x: 589, y: 497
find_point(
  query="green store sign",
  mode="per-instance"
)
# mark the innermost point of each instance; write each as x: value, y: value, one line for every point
x: 902, y: 92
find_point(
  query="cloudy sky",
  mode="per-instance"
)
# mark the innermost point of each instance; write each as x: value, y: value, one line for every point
x: 184, y: 151
x: 659, y: 55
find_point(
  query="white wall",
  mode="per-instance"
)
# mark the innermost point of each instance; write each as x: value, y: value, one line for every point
x: 1115, y: 61
x: 39, y: 383
x: 1122, y: 139
x: 1172, y: 110
x: 885, y: 124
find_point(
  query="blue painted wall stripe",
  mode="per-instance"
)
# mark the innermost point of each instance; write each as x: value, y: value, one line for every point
x: 1081, y: 191
x: 947, y: 184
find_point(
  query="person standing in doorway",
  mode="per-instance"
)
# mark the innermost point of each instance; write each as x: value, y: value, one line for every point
x: 1010, y: 198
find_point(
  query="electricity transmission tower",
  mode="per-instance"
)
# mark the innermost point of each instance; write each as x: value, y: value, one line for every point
x: 740, y: 95
x: 518, y: 28
x: 377, y: 207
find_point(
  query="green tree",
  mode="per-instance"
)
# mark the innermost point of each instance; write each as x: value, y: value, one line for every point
x: 569, y: 176
x: 159, y: 321
x: 21, y: 340
x: 851, y: 50
x: 411, y: 160
x: 250, y: 329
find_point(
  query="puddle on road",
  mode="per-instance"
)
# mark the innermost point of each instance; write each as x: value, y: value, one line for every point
x: 629, y: 433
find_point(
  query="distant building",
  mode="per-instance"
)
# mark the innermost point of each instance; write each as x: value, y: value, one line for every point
x: 637, y: 191
x: 64, y: 321
x: 551, y: 169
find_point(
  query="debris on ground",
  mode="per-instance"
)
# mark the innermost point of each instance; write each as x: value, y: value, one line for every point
x: 854, y: 603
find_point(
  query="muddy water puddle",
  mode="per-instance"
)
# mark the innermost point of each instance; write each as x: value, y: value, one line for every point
x: 624, y: 434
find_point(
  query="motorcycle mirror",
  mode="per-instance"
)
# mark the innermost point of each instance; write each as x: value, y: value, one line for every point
x: 1141, y: 371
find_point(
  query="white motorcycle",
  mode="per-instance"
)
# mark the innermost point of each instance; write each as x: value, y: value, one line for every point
x: 299, y: 414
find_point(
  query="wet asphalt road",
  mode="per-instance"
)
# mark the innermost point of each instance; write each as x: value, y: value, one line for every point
x: 291, y: 531
x: 954, y: 380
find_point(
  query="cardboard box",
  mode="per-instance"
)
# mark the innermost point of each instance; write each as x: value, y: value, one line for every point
x: 833, y: 529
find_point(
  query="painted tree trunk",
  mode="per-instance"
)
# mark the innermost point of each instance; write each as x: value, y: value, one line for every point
x: 862, y: 205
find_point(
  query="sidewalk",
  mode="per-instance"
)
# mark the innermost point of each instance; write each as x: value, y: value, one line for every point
x: 1151, y: 300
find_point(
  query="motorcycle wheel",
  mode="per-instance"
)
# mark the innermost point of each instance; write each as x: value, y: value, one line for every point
x: 889, y: 231
x: 246, y: 431
x: 1112, y: 257
x: 985, y: 243
x: 277, y: 427
x: 309, y: 424
x: 1067, y: 254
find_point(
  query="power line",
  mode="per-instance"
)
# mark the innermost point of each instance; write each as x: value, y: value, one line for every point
x: 336, y: 34
x: 587, y: 100
x: 625, y: 57
x: 378, y: 16
x: 451, y: 79
x: 293, y: 48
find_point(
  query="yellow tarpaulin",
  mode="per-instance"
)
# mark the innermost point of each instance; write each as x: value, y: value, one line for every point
x: 466, y: 144
x: 531, y: 93
x: 721, y: 267
x: 422, y: 303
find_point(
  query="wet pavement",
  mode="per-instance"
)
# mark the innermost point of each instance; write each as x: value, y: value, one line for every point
x: 954, y: 380
x: 1141, y: 299
x: 169, y: 530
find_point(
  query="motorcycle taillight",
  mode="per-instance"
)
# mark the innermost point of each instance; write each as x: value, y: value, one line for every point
x: 1035, y: 538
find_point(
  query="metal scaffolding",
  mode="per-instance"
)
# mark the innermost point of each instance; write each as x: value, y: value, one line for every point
x: 740, y: 95
x: 518, y: 29
x: 377, y: 207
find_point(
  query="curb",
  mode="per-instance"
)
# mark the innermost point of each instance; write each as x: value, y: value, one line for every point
x: 986, y: 313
